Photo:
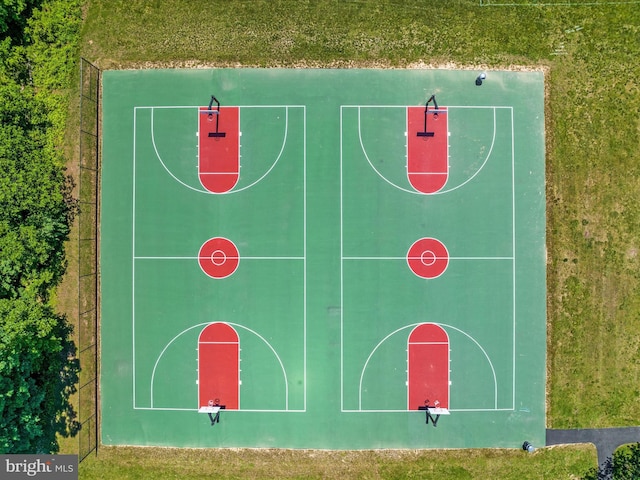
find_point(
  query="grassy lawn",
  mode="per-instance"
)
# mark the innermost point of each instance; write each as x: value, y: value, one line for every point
x: 590, y: 57
x: 184, y: 464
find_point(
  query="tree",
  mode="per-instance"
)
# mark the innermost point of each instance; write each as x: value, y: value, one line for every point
x: 13, y: 14
x: 625, y: 465
x: 38, y: 368
x: 38, y: 373
x: 53, y: 31
x: 36, y: 207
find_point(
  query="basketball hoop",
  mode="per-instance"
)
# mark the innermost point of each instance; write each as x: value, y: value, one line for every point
x: 433, y: 412
x: 212, y: 409
x: 426, y: 133
x: 210, y: 112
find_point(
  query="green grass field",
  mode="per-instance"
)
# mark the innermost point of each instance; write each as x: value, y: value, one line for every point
x: 589, y: 53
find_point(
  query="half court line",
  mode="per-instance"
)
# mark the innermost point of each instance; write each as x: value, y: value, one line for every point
x: 198, y: 258
x: 434, y: 258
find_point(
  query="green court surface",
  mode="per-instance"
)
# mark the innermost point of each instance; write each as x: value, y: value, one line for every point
x: 346, y: 294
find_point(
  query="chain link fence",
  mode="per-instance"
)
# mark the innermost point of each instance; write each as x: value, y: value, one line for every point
x: 88, y: 185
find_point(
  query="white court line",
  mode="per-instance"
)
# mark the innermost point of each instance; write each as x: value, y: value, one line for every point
x: 341, y: 266
x: 498, y: 107
x: 177, y: 107
x: 133, y: 265
x: 513, y: 251
x: 197, y: 258
x: 251, y: 410
x: 418, y: 411
x: 435, y: 258
x: 304, y: 251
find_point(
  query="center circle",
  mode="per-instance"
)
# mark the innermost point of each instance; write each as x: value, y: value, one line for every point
x: 428, y: 258
x: 218, y: 257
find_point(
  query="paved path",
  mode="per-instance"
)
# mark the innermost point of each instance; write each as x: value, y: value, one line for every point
x: 606, y: 440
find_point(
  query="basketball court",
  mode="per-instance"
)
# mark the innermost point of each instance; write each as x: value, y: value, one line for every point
x: 334, y: 259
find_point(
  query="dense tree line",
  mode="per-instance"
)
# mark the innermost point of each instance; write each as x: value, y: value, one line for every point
x: 38, y: 370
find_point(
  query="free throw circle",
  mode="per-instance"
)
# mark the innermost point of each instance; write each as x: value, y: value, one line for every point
x: 428, y: 258
x: 218, y: 257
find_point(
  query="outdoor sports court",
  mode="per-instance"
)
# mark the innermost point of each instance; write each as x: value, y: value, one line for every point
x: 329, y: 259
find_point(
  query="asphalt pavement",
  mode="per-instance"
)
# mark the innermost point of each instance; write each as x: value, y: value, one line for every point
x: 606, y: 440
